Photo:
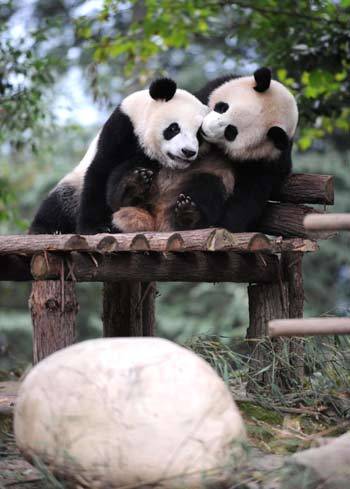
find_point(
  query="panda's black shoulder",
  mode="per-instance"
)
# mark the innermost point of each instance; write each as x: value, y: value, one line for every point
x: 118, y: 132
x: 204, y: 93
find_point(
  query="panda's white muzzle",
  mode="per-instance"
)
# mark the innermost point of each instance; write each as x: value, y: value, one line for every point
x: 213, y: 126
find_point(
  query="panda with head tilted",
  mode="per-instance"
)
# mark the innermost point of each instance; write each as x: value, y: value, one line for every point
x: 151, y: 129
x: 250, y: 127
x: 253, y: 120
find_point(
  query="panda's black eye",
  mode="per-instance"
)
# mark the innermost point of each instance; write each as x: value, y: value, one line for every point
x: 171, y: 131
x: 221, y: 107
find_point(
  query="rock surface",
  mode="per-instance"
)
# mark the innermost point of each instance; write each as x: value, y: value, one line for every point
x: 138, y: 412
x: 327, y: 466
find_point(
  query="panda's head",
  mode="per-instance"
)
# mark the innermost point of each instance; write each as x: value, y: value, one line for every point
x: 167, y: 122
x: 251, y: 117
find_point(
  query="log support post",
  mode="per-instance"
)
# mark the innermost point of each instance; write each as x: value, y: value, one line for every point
x: 128, y: 308
x: 54, y: 307
x: 267, y: 356
x: 277, y: 361
x: 293, y: 274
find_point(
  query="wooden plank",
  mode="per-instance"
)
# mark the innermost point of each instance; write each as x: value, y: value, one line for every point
x: 327, y: 222
x: 148, y: 267
x: 198, y: 240
x: 307, y: 188
x: 309, y: 327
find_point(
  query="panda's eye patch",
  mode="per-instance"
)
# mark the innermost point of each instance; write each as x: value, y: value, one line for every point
x: 171, y: 131
x: 200, y: 138
x: 221, y: 107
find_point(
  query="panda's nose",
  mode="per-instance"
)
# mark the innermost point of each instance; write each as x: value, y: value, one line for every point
x: 188, y: 152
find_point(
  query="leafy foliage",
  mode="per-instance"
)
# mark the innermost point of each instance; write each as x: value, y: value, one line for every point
x: 24, y: 76
x: 310, y: 51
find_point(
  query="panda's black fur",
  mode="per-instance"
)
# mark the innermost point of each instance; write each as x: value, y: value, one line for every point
x: 57, y: 212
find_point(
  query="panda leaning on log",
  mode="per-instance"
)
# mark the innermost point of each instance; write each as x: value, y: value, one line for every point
x: 251, y: 127
x: 150, y: 129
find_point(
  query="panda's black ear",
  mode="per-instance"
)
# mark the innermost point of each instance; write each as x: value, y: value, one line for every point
x: 263, y: 79
x: 162, y: 89
x: 279, y: 137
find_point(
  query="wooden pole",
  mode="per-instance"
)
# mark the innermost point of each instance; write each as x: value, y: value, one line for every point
x: 292, y: 270
x: 128, y: 309
x: 54, y: 308
x: 268, y: 360
x: 327, y: 222
x: 149, y: 292
x: 122, y: 309
x: 177, y: 267
x: 309, y: 327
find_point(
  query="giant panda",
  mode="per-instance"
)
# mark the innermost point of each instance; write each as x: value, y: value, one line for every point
x: 149, y: 130
x: 251, y: 127
x: 253, y: 120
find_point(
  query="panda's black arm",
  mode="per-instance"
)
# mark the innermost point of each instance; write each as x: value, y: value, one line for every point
x: 117, y: 144
x: 252, y: 190
x: 130, y: 182
x: 207, y: 192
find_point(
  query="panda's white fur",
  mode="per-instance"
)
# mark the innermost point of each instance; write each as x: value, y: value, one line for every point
x: 253, y: 113
x: 75, y: 178
x: 151, y: 117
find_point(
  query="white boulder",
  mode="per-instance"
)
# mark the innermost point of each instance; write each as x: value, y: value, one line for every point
x: 133, y: 412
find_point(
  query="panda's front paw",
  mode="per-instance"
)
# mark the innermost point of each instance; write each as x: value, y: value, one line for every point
x: 143, y: 178
x: 137, y: 187
x: 187, y: 214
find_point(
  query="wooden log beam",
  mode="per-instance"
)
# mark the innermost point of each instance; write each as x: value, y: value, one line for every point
x: 307, y: 188
x: 309, y: 327
x: 172, y: 267
x: 184, y: 241
x: 267, y: 363
x: 287, y: 220
x: 327, y: 222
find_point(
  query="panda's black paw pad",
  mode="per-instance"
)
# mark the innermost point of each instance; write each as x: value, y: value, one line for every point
x: 144, y: 177
x: 187, y: 214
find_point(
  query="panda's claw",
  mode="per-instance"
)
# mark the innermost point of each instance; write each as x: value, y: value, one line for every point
x: 187, y: 214
x: 144, y: 175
